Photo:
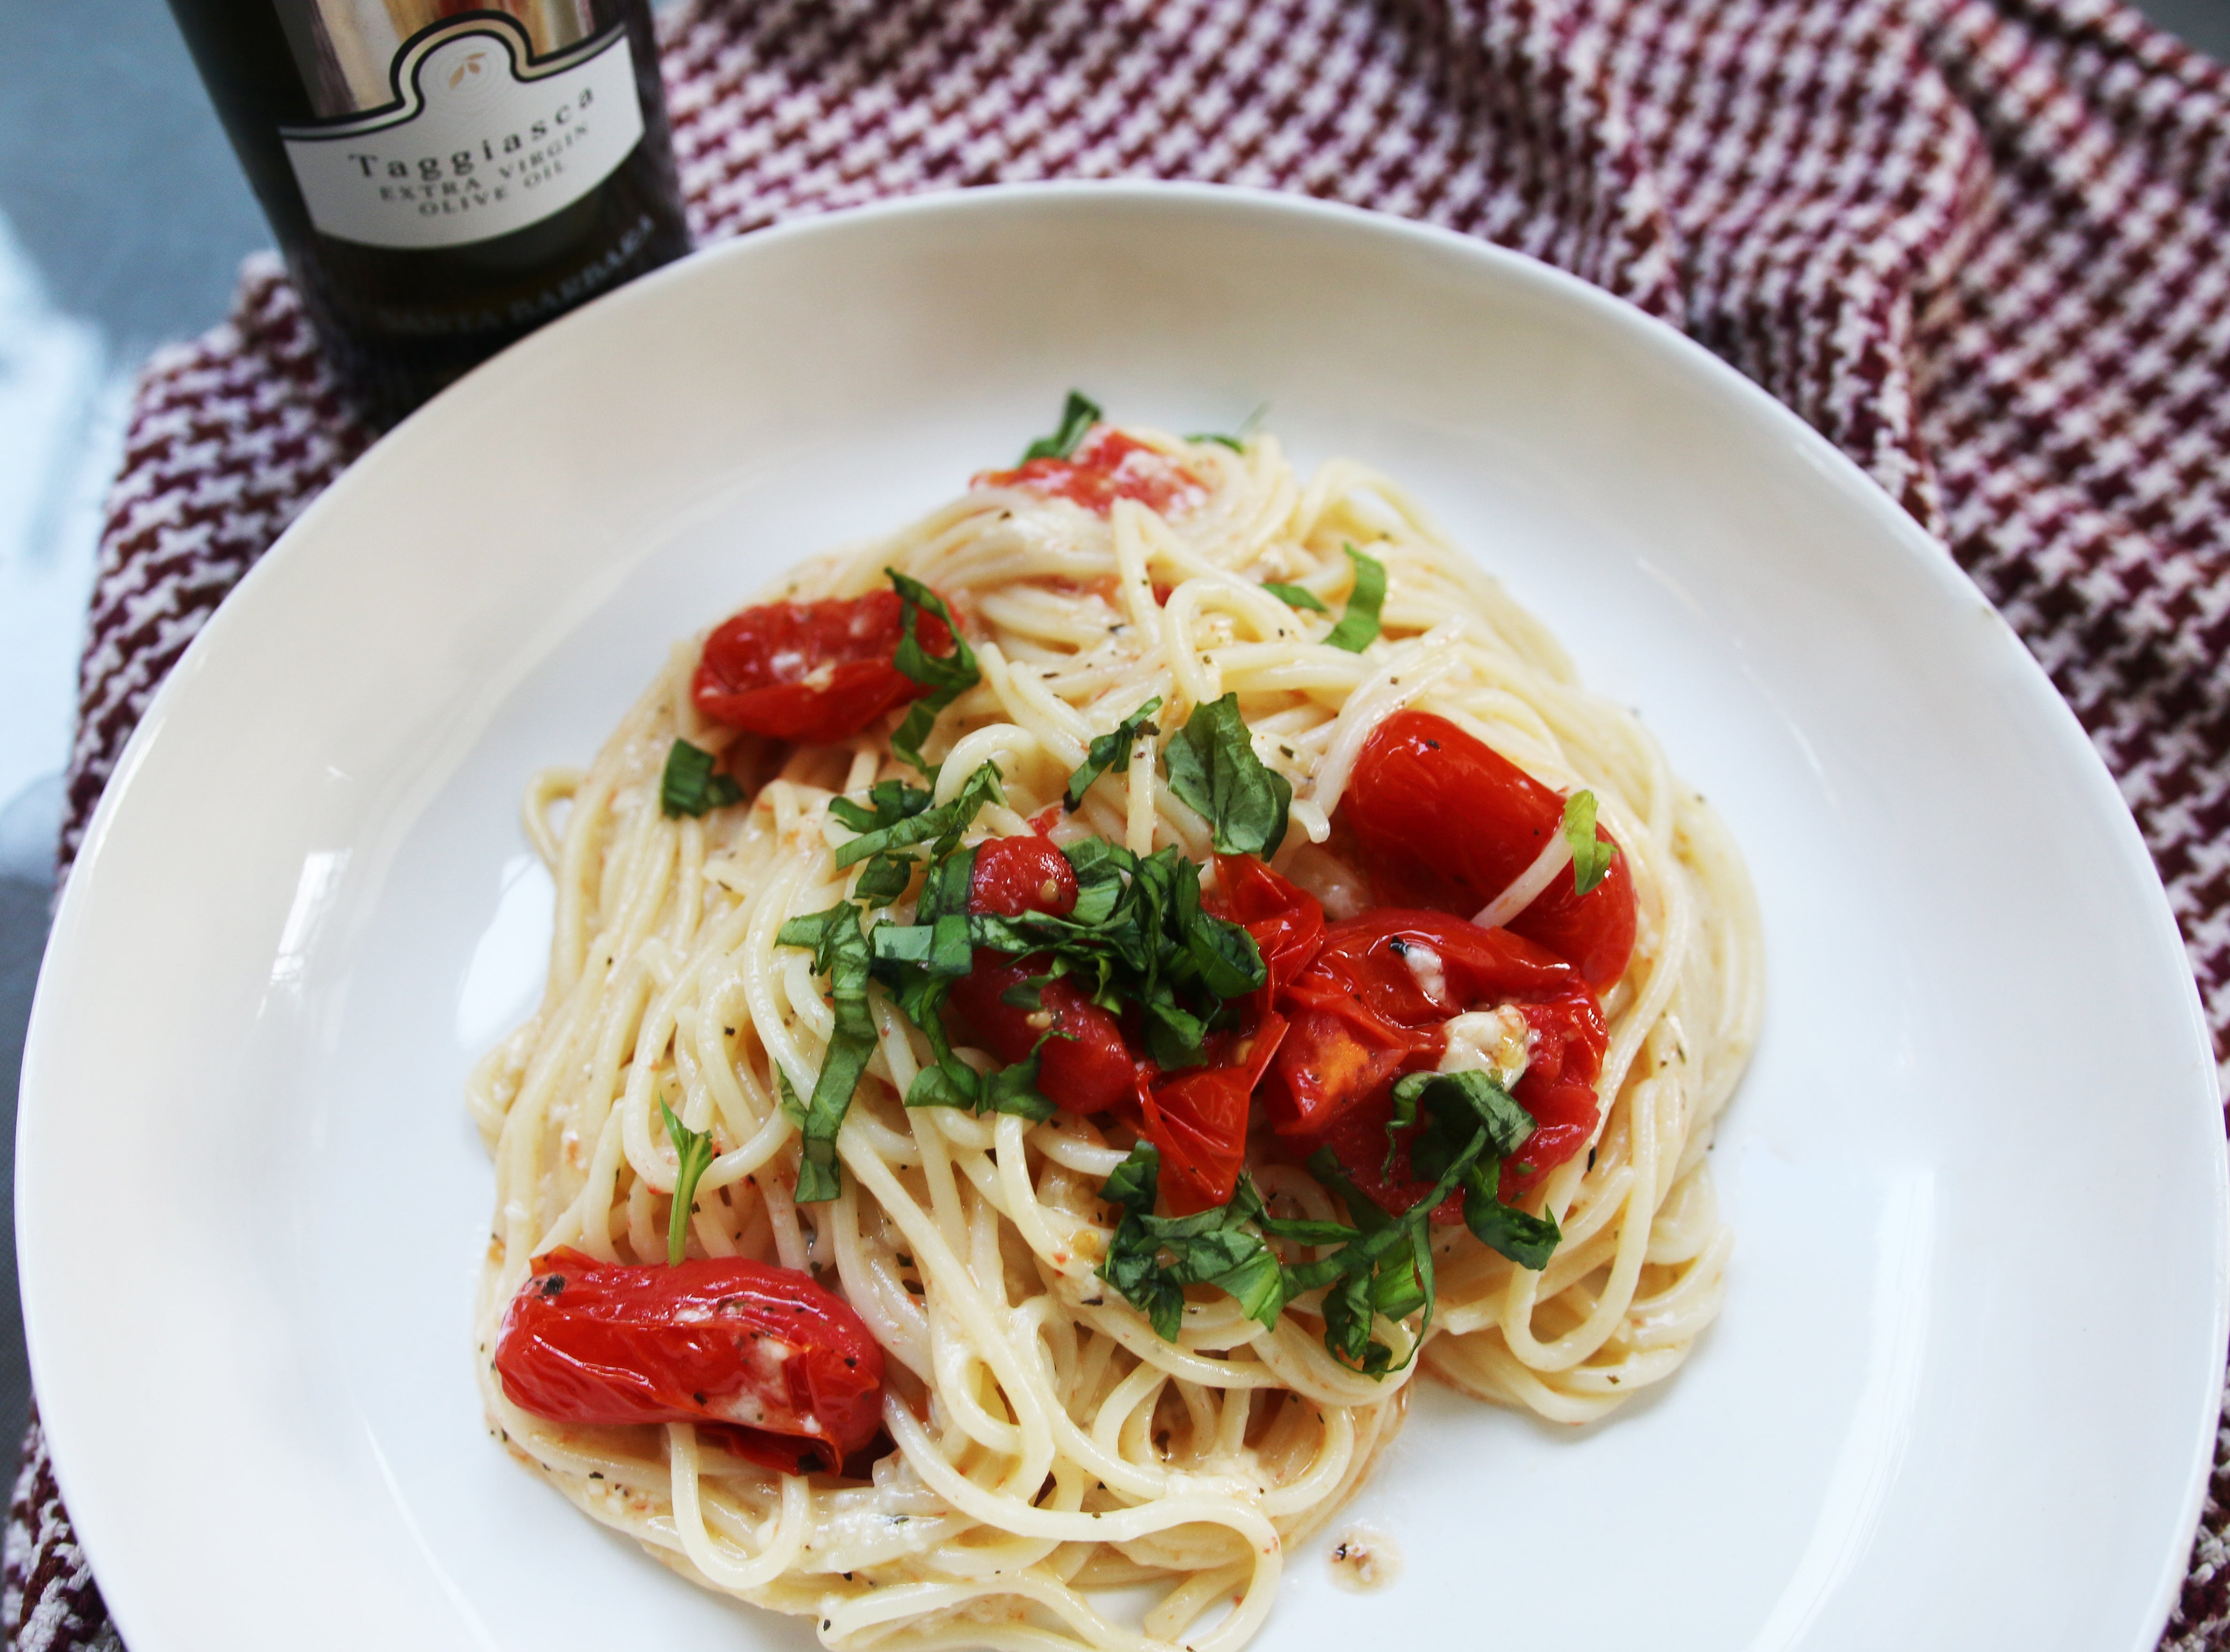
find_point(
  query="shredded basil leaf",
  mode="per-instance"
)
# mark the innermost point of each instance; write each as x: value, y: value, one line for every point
x: 1591, y: 856
x: 693, y: 1150
x: 690, y: 786
x: 1109, y: 750
x: 1296, y: 596
x: 889, y: 801
x: 944, y: 823
x: 1078, y: 414
x: 1358, y: 626
x: 1381, y: 1265
x: 947, y: 677
x: 1214, y: 770
x: 1218, y: 1247
x: 841, y: 951
x: 1237, y: 443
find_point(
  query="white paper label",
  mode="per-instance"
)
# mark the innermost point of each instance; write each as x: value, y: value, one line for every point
x: 480, y: 144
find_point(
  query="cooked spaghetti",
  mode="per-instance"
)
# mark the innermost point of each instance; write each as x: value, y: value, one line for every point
x: 1115, y: 1296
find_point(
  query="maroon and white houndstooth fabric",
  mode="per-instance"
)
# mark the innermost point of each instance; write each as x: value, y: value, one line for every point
x: 1979, y: 243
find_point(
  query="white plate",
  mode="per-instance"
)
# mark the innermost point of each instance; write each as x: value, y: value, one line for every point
x: 1963, y: 1390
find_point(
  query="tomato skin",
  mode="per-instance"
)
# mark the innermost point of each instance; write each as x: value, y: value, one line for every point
x: 1107, y: 465
x: 1445, y: 821
x: 1287, y: 922
x: 1087, y: 1067
x: 1013, y: 876
x: 1557, y: 1088
x: 605, y: 1343
x: 1361, y: 1013
x: 816, y: 672
x: 1198, y: 1119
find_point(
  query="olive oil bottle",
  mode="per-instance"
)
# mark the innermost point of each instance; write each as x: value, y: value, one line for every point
x: 444, y: 176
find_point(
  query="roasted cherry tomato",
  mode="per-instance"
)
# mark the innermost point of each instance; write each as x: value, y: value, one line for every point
x: 1106, y: 467
x: 1375, y: 998
x: 1013, y: 876
x: 1287, y: 922
x: 1444, y: 822
x: 1565, y: 1051
x: 1198, y: 1118
x: 817, y: 672
x: 787, y: 1373
x: 1084, y: 1067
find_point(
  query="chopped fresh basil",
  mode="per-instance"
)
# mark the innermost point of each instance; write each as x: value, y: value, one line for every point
x: 690, y: 786
x: 1238, y: 441
x: 942, y: 824
x: 1214, y: 770
x: 884, y: 878
x: 1382, y: 1265
x: 889, y: 801
x: 841, y: 953
x: 1591, y: 856
x: 693, y: 1150
x: 1358, y: 626
x: 1078, y: 414
x: 1109, y: 750
x: 1296, y: 596
x: 1152, y: 1259
x: 947, y: 677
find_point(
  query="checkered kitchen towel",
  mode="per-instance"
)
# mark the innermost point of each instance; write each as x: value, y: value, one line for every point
x: 1983, y: 245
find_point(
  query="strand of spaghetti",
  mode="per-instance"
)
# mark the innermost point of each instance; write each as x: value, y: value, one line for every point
x: 778, y: 1550
x: 1529, y: 886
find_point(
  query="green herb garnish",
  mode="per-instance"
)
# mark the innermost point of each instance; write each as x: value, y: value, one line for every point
x: 1151, y: 1259
x: 1214, y: 770
x: 1591, y: 856
x: 940, y: 825
x: 1296, y: 596
x: 1359, y: 624
x: 1382, y: 1265
x: 1078, y: 415
x: 947, y: 677
x: 694, y: 1151
x: 690, y: 786
x: 840, y: 952
x: 1109, y: 750
x: 1237, y: 443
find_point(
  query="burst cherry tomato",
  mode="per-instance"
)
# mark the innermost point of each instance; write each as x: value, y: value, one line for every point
x: 786, y: 1373
x: 1374, y: 1001
x: 1287, y: 922
x: 1565, y: 1051
x: 1084, y: 1067
x: 1444, y: 822
x: 817, y: 672
x: 1198, y: 1119
x: 1108, y: 465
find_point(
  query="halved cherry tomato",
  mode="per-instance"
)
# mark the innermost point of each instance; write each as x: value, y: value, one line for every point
x: 788, y: 1374
x: 817, y: 672
x: 1287, y: 922
x: 1106, y: 467
x: 1375, y: 997
x: 1198, y: 1119
x: 1444, y: 822
x: 1084, y: 1067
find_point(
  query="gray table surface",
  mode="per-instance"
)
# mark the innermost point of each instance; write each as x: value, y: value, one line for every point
x: 123, y: 219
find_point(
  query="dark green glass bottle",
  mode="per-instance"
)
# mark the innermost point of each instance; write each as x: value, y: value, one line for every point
x: 444, y: 176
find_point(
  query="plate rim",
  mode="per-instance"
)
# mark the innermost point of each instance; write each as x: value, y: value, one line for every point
x: 46, y: 1319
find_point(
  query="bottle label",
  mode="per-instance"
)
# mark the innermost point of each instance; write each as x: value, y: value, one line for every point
x: 478, y: 142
